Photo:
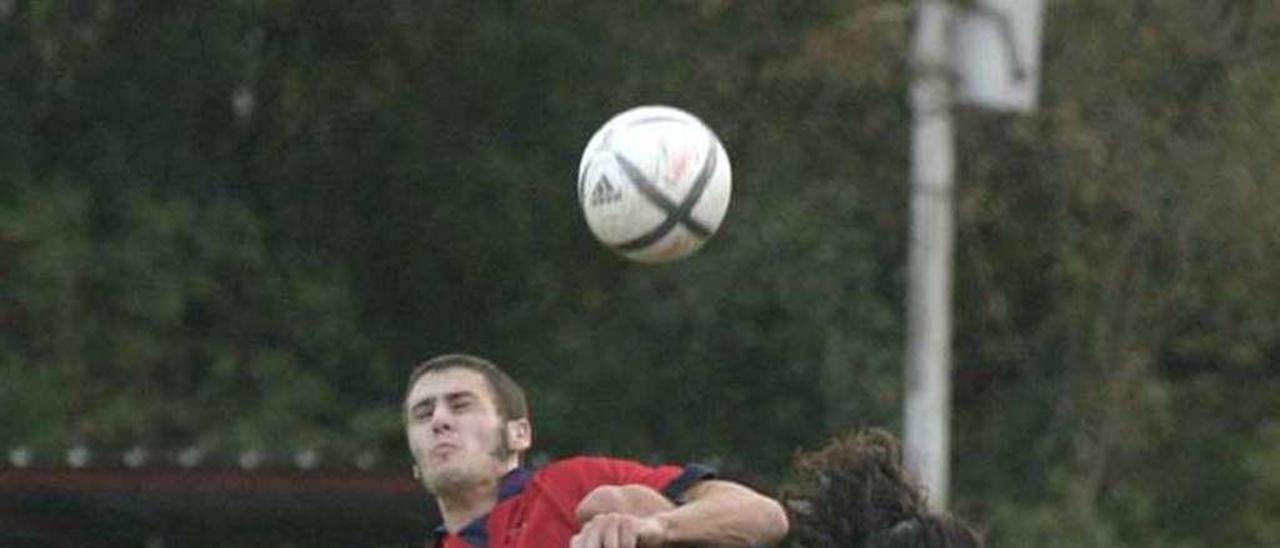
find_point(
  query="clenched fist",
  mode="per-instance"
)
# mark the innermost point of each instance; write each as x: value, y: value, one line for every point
x: 616, y: 530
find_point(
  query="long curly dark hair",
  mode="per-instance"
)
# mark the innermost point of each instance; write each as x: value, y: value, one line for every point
x: 855, y: 493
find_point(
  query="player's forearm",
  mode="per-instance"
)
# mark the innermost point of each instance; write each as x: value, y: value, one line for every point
x: 725, y: 514
x: 635, y: 500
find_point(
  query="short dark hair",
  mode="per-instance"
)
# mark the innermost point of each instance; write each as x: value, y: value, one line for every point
x: 855, y: 492
x: 507, y: 394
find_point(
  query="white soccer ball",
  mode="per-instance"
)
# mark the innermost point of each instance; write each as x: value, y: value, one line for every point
x: 654, y: 183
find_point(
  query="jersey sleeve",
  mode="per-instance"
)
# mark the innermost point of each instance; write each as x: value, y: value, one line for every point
x: 689, y: 476
x: 574, y: 478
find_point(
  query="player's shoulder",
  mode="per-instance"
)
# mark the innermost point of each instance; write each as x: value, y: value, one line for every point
x: 585, y: 464
x: 574, y: 477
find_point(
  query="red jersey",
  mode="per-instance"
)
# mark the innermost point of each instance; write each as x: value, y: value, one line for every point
x: 537, y: 509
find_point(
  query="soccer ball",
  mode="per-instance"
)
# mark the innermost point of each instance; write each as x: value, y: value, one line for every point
x: 654, y: 184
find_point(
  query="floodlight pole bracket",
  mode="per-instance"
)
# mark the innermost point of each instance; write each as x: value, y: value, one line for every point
x: 1018, y: 66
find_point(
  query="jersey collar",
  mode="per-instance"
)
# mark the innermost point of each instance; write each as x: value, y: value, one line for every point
x: 476, y: 533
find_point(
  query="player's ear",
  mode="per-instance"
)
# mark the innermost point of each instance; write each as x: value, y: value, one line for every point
x: 519, y: 435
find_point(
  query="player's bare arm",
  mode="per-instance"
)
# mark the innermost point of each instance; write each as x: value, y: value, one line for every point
x: 715, y: 512
x: 634, y: 500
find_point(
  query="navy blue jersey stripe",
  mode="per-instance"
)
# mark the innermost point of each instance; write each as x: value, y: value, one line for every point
x: 693, y: 473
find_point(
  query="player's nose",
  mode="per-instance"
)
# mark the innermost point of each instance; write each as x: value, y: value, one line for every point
x: 441, y: 422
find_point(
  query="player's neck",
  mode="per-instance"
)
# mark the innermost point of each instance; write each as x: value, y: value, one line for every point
x: 464, y: 504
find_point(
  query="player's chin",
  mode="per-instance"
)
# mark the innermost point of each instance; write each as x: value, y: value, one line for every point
x: 444, y: 481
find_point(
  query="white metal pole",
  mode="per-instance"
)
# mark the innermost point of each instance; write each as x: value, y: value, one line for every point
x: 927, y: 405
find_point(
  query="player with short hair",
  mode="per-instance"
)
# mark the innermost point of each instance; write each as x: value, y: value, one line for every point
x: 467, y: 424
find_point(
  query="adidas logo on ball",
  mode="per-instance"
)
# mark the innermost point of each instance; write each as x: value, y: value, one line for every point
x: 605, y: 193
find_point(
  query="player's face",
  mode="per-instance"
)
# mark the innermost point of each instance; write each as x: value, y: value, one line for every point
x: 455, y: 433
